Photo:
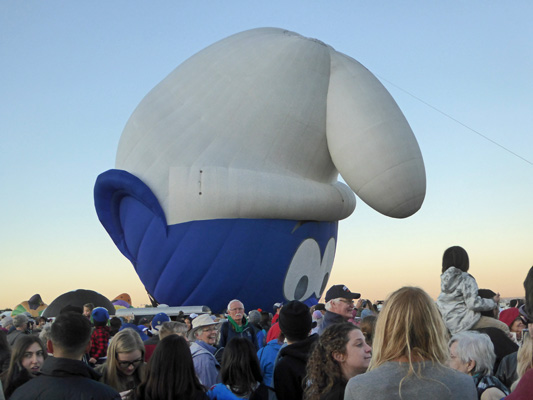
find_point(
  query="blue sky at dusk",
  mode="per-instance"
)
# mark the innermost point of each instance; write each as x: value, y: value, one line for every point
x: 71, y: 74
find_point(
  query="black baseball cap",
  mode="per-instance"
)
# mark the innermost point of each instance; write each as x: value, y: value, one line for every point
x: 340, y: 291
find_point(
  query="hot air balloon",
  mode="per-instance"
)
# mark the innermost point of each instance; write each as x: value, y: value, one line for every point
x: 77, y: 298
x: 35, y: 306
x: 226, y: 180
x: 123, y: 300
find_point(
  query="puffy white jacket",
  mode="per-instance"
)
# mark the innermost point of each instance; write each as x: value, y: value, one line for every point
x: 459, y: 302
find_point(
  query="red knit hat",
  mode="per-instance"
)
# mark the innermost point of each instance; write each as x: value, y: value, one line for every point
x: 509, y: 316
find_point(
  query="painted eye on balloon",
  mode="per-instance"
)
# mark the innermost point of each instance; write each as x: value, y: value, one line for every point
x: 309, y: 272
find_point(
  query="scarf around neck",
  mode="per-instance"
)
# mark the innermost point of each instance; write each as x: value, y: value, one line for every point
x: 238, y: 328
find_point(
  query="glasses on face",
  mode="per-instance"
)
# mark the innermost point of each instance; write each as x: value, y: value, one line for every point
x: 350, y: 302
x: 237, y: 309
x: 126, y: 364
x: 210, y: 329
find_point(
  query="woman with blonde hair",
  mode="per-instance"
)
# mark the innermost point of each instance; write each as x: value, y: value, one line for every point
x: 523, y: 387
x: 410, y: 354
x: 124, y: 368
x: 340, y: 354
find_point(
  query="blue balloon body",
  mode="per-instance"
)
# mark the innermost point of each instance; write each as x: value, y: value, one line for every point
x: 210, y: 262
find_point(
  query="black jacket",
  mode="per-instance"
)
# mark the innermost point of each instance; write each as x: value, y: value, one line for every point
x: 336, y: 392
x: 503, y: 346
x: 290, y: 372
x: 227, y: 332
x: 62, y: 378
x: 507, y: 370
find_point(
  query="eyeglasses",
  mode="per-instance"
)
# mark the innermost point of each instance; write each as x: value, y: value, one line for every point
x: 126, y: 364
x: 350, y: 302
x: 237, y: 309
x: 210, y: 329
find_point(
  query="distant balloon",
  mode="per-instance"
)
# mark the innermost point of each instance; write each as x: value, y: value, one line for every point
x: 78, y: 298
x: 122, y: 301
x: 123, y: 297
x: 35, y: 306
x: 226, y: 174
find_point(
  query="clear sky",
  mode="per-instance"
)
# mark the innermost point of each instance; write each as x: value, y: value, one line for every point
x: 71, y: 74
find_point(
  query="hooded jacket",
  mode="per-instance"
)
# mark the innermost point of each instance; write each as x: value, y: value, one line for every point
x: 290, y: 372
x: 205, y: 364
x: 459, y: 302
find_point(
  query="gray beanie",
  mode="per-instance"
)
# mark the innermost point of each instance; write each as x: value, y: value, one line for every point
x: 254, y: 317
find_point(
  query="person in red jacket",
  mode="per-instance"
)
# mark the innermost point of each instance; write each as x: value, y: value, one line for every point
x: 274, y: 331
x: 277, y: 309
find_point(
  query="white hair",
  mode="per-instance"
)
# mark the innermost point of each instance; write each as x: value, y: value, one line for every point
x: 44, y: 335
x: 232, y: 301
x: 172, y: 327
x: 20, y: 321
x: 475, y: 346
x: 331, y: 302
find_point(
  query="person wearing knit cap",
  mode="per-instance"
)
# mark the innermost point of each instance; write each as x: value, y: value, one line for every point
x: 100, y: 336
x: 339, y: 306
x: 524, y: 388
x: 511, y: 317
x: 255, y: 319
x: 289, y: 373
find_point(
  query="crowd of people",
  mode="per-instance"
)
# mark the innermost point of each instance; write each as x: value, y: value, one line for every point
x: 461, y: 347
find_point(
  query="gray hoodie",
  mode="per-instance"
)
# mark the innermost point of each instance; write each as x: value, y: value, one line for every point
x: 459, y: 302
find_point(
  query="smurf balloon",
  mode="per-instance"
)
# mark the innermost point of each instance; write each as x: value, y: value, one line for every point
x: 226, y: 181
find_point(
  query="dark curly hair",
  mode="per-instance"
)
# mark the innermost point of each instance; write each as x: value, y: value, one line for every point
x: 322, y: 369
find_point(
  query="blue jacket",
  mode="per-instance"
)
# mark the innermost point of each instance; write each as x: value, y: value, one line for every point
x: 221, y: 392
x: 261, y: 338
x: 205, y: 364
x: 267, y: 359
